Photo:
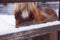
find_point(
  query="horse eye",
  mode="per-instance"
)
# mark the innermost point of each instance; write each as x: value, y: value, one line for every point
x: 16, y: 17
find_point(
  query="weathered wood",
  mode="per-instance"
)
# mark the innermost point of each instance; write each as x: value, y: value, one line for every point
x: 53, y: 36
x: 49, y: 36
x: 30, y: 33
x: 30, y: 38
x: 10, y: 1
x: 42, y: 37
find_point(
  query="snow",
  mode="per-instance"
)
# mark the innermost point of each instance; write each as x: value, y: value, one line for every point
x: 7, y: 25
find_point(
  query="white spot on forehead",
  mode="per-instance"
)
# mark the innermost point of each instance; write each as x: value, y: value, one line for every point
x: 25, y: 14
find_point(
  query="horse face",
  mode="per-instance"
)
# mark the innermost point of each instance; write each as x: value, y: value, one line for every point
x: 23, y: 13
x: 23, y: 17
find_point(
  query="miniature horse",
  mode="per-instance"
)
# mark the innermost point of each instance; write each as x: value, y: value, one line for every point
x: 29, y: 12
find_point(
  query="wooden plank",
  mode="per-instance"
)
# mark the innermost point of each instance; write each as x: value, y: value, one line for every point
x: 42, y: 37
x: 49, y: 36
x: 30, y: 33
x: 53, y: 36
x: 30, y: 38
x: 12, y: 1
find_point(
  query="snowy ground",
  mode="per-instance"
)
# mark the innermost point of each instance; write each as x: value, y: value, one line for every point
x: 7, y: 22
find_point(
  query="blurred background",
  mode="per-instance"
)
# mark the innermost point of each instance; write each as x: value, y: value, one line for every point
x: 7, y: 8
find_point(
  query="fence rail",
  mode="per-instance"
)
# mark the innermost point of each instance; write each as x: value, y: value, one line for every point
x: 30, y: 33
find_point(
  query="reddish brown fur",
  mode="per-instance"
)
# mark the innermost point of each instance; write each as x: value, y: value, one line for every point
x: 35, y: 14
